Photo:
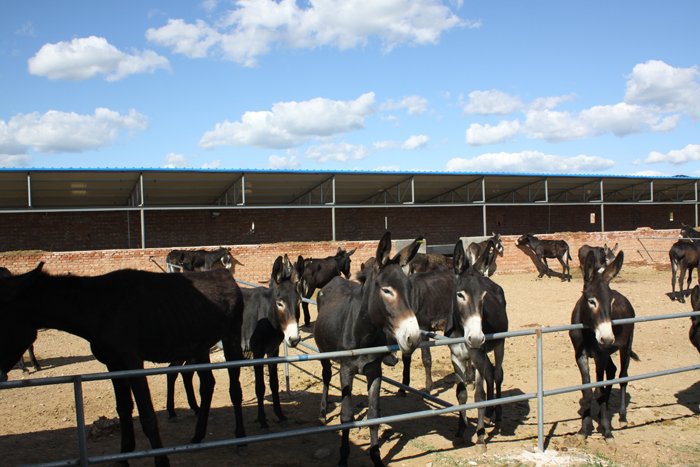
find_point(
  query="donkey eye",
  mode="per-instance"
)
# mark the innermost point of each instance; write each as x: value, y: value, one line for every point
x: 387, y: 291
x: 461, y: 296
x: 592, y: 302
x: 280, y: 304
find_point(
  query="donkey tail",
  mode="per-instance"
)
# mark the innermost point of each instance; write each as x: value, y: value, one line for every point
x: 634, y: 356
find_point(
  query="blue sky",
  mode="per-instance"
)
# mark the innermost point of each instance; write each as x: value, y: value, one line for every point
x: 424, y: 85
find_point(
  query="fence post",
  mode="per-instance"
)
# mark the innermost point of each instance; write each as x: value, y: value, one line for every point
x: 286, y: 366
x: 80, y: 419
x: 540, y: 392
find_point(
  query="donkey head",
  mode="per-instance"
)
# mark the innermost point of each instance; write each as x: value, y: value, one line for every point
x: 496, y: 237
x: 609, y: 253
x: 524, y: 239
x: 284, y: 285
x: 469, y: 298
x: 342, y: 258
x: 17, y: 332
x: 389, y: 295
x: 598, y: 297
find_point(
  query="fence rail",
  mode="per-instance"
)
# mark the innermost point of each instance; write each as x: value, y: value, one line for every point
x: 539, y: 395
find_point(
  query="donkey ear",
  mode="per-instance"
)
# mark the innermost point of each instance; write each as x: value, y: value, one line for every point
x: 459, y: 258
x: 613, y: 268
x: 278, y: 270
x: 16, y: 286
x: 383, y: 249
x: 349, y: 253
x: 407, y: 253
x: 589, y: 267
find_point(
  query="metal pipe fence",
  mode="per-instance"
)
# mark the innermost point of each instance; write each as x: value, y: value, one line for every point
x: 540, y: 394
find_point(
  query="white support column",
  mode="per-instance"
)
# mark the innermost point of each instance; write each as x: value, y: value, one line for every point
x: 143, y: 219
x: 242, y: 190
x: 333, y: 207
x: 602, y: 208
x: 29, y: 190
x: 483, y: 208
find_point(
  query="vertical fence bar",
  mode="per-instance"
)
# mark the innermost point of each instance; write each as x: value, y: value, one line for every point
x: 80, y: 419
x: 540, y: 393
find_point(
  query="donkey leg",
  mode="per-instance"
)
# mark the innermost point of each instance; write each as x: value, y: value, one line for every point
x: 498, y: 353
x: 624, y: 365
x: 587, y: 395
x: 346, y: 412
x: 307, y: 316
x: 374, y: 384
x: 125, y: 410
x: 460, y: 367
x: 32, y: 358
x: 275, y: 389
x: 260, y: 390
x: 483, y: 375
x: 681, y: 279
x: 206, y: 392
x: 604, y: 369
x: 171, y: 378
x: 147, y: 415
x: 233, y: 351
x: 187, y: 378
x: 406, y: 377
x: 428, y: 365
x: 327, y: 372
x: 22, y: 365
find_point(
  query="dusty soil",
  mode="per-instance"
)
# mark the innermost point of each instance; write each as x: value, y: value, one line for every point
x: 38, y: 424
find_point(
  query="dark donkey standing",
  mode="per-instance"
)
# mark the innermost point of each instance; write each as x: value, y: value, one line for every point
x: 603, y: 255
x: 270, y: 318
x: 319, y: 272
x: 597, y: 307
x: 684, y: 256
x: 128, y: 317
x: 479, y: 307
x: 544, y: 249
x: 5, y: 273
x: 475, y: 250
x: 432, y: 296
x: 352, y: 316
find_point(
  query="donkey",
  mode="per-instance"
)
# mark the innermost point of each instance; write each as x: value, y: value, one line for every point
x: 426, y: 262
x: 270, y: 318
x: 694, y: 333
x: 544, y: 249
x: 319, y: 272
x: 431, y: 297
x: 475, y: 250
x: 596, y: 308
x: 684, y: 256
x: 375, y: 313
x: 128, y: 317
x: 604, y: 255
x: 479, y: 307
x: 5, y: 273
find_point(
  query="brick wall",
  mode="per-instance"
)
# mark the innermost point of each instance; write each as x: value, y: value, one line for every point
x: 642, y: 246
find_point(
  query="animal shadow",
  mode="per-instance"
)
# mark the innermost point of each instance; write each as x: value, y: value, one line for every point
x: 690, y: 397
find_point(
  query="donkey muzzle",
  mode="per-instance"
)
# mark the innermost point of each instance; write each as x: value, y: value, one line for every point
x: 291, y: 334
x: 408, y: 335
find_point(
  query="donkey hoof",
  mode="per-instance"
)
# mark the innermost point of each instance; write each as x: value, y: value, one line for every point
x: 401, y: 393
x: 480, y: 446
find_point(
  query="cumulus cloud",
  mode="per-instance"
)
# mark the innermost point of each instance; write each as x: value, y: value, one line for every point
x: 14, y: 161
x: 86, y: 57
x: 339, y: 152
x: 289, y: 161
x: 290, y: 124
x: 659, y: 84
x: 478, y: 134
x: 415, y: 142
x: 492, y: 102
x: 529, y: 162
x: 690, y: 153
x: 414, y: 105
x: 175, y: 161
x: 56, y: 131
x: 252, y: 29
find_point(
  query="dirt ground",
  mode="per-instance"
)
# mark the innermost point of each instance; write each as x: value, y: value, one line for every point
x: 38, y: 424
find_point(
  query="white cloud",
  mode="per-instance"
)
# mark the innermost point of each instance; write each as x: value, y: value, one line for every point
x: 554, y: 125
x: 175, y: 161
x: 669, y: 88
x: 385, y: 144
x: 478, y: 134
x: 289, y: 161
x: 414, y: 105
x: 13, y: 161
x: 623, y: 119
x: 56, y: 131
x: 492, y: 102
x: 548, y: 103
x: 649, y: 173
x: 86, y: 57
x: 415, y: 142
x: 529, y: 162
x: 290, y: 124
x: 690, y: 153
x: 252, y: 29
x: 215, y: 164
x: 339, y: 152
x: 387, y: 168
